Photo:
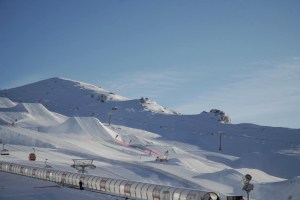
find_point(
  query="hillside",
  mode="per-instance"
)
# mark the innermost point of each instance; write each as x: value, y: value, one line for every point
x: 73, y: 98
x: 65, y: 119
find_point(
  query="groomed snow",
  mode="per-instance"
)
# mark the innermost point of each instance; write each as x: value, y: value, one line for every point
x: 271, y: 155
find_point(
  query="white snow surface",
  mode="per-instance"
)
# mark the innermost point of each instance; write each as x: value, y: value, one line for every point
x: 6, y: 103
x: 62, y: 126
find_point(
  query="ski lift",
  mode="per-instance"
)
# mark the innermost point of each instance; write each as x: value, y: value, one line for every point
x: 162, y: 158
x: 46, y: 165
x: 4, y: 152
x: 81, y: 164
x: 32, y: 156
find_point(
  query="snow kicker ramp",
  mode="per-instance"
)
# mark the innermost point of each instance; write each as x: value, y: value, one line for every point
x: 40, y: 113
x: 82, y: 126
x: 90, y: 126
x: 32, y: 114
x: 6, y: 103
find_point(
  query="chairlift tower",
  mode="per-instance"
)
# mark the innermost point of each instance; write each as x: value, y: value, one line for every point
x: 4, y: 152
x: 109, y: 119
x: 46, y: 165
x: 220, y: 143
x: 81, y: 164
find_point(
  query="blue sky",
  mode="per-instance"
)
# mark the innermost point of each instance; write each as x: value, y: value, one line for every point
x: 242, y: 57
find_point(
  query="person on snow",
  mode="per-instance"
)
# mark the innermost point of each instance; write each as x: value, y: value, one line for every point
x: 80, y: 185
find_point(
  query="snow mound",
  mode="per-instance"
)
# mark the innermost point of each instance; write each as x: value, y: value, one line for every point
x: 41, y: 115
x: 16, y: 108
x: 6, y: 103
x: 40, y: 111
x: 259, y: 176
x: 30, y: 115
x: 81, y: 126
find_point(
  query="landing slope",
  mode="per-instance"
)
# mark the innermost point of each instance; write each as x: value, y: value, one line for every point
x: 29, y: 115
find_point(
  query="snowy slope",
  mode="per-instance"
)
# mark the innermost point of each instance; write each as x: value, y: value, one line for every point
x: 6, y: 103
x: 74, y: 98
x: 271, y: 155
x: 29, y: 114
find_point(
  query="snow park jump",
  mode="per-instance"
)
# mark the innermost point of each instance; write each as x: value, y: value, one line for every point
x: 138, y: 147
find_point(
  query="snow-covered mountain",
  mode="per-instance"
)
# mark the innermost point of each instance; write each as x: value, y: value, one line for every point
x: 73, y: 98
x: 66, y: 119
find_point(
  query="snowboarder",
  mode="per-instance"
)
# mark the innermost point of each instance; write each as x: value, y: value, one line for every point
x: 80, y: 185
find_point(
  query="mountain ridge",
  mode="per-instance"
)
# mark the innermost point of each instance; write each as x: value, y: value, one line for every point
x: 74, y: 98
